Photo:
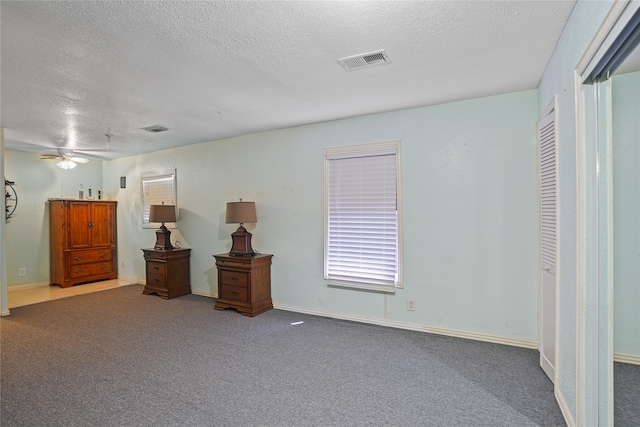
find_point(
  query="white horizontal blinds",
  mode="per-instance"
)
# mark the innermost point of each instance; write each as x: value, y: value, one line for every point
x: 362, y: 230
x: 157, y: 190
x: 547, y: 144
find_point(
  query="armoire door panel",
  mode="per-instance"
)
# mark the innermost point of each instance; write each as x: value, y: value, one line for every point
x: 102, y: 219
x: 79, y: 231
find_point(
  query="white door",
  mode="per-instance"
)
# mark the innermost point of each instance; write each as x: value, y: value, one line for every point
x: 548, y: 332
x: 548, y: 203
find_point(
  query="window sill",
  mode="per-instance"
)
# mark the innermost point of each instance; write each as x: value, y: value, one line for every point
x: 387, y: 289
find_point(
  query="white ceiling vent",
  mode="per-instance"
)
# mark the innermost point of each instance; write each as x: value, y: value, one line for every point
x: 350, y: 63
x: 155, y: 128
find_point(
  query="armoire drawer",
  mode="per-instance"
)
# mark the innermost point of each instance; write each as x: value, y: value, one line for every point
x: 94, y: 269
x: 89, y: 256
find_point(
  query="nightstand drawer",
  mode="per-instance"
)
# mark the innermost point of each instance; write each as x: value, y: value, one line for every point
x: 156, y: 280
x: 236, y: 293
x: 233, y: 278
x: 85, y: 257
x: 156, y: 267
x: 234, y: 263
x: 148, y: 255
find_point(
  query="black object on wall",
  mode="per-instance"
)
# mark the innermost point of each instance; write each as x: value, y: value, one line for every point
x: 123, y: 182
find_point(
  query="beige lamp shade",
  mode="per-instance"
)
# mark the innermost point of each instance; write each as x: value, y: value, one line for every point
x: 241, y: 213
x: 162, y: 213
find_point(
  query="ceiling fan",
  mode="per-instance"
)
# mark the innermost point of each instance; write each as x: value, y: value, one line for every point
x: 66, y: 159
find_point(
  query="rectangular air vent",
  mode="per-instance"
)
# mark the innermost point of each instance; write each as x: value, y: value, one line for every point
x: 155, y: 128
x: 363, y: 60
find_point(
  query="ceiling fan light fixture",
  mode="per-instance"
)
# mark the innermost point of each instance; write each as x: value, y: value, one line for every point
x: 66, y: 164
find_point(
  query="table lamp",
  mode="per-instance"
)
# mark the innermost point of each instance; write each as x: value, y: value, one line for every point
x: 240, y: 213
x: 162, y: 213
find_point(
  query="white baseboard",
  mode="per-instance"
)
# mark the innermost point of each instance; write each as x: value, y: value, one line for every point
x: 547, y: 367
x: 416, y: 327
x: 204, y: 294
x: 129, y: 280
x: 402, y: 325
x: 564, y: 408
x: 27, y: 286
x: 5, y: 313
x: 626, y: 358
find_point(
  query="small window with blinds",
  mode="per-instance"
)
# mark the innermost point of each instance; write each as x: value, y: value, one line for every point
x: 157, y: 188
x: 362, y: 219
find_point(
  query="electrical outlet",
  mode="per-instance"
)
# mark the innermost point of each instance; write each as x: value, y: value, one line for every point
x: 22, y: 271
x: 122, y: 264
x: 411, y: 305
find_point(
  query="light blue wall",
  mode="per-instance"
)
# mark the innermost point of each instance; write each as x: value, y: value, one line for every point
x: 469, y: 211
x: 27, y: 233
x: 626, y: 212
x: 558, y: 79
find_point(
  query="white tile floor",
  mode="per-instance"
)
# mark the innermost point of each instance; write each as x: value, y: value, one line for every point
x: 26, y: 296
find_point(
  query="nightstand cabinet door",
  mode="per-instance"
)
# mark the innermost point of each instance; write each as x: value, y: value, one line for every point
x: 168, y: 273
x: 244, y: 283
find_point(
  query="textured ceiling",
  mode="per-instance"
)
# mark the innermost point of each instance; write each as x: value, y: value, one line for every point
x: 75, y: 71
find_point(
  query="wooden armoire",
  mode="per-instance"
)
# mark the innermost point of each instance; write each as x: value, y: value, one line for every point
x: 82, y: 241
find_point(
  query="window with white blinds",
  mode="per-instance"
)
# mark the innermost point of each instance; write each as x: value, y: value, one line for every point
x: 157, y: 189
x: 362, y: 227
x: 547, y: 147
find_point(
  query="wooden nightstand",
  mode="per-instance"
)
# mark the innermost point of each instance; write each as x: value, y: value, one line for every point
x: 244, y: 283
x: 168, y: 273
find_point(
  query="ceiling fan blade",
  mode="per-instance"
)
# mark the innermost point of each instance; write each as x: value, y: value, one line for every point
x: 49, y: 156
x: 79, y: 160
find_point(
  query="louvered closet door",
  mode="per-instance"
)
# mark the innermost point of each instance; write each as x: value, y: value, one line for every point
x: 548, y: 220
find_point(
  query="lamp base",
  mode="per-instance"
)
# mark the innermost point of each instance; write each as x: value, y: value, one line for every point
x: 163, y: 239
x: 241, y: 243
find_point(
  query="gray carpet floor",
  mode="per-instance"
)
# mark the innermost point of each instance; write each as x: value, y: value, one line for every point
x: 120, y: 358
x: 626, y: 395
